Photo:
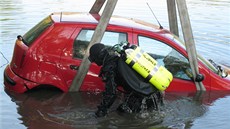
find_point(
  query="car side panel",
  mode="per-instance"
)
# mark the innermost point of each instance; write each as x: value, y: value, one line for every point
x: 219, y: 83
x: 68, y: 68
x: 91, y: 82
x: 43, y: 58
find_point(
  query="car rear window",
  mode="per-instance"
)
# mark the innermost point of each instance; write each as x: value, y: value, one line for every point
x: 33, y: 33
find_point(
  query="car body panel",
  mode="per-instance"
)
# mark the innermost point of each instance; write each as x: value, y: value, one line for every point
x: 18, y: 57
x: 49, y: 59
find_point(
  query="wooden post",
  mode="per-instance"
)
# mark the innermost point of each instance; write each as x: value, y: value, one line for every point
x: 96, y: 38
x: 189, y: 41
x: 172, y: 16
x: 97, y: 6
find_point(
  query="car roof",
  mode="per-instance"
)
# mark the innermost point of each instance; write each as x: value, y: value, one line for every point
x: 81, y: 17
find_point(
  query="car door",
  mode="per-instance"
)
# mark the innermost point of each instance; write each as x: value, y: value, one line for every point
x: 171, y: 59
x: 74, y: 53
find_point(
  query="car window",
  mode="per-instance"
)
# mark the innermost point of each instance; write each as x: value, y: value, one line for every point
x: 33, y: 33
x: 166, y: 56
x: 82, y: 41
x: 179, y: 42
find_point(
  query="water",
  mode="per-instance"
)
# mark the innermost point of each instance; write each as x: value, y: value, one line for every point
x: 210, y: 21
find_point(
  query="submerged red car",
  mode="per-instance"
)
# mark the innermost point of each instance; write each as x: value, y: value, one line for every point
x: 51, y: 52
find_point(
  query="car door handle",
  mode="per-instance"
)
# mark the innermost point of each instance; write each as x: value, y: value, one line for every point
x: 74, y: 67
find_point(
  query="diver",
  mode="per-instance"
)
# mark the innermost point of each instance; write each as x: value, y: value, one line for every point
x: 139, y: 94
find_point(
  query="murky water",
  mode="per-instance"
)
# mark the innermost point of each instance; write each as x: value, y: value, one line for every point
x: 210, y: 21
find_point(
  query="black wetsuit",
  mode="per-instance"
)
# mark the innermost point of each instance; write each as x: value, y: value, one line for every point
x: 134, y: 101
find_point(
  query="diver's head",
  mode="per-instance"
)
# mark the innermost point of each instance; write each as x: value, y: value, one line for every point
x: 97, y: 53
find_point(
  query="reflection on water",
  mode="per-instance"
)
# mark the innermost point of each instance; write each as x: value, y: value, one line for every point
x: 53, y: 109
x: 210, y: 21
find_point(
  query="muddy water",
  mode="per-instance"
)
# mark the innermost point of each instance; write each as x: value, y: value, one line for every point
x: 51, y: 109
x: 54, y: 110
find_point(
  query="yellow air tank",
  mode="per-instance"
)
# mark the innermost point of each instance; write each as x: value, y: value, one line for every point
x: 148, y: 68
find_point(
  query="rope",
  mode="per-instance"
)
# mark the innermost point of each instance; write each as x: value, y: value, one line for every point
x: 7, y: 62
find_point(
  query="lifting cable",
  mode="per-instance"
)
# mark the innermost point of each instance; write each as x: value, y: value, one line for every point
x: 7, y: 62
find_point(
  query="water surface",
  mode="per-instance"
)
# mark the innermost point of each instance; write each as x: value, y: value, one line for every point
x: 50, y: 109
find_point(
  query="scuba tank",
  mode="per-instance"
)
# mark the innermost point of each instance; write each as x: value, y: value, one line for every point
x: 145, y: 65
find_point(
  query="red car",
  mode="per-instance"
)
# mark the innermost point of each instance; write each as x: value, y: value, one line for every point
x: 50, y: 53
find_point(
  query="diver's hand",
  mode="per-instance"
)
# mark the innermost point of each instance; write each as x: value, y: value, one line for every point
x: 100, y: 113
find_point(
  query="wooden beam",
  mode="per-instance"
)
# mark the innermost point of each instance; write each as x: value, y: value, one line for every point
x: 97, y: 6
x: 172, y: 16
x: 189, y: 41
x: 96, y: 38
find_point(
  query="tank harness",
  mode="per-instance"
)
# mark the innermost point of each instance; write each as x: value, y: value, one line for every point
x: 145, y: 65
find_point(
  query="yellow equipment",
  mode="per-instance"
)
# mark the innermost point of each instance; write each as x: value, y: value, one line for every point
x: 148, y: 67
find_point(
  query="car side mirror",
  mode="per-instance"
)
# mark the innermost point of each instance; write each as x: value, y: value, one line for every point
x: 199, y: 77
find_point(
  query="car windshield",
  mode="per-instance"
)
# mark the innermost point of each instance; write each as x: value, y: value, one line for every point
x: 33, y: 33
